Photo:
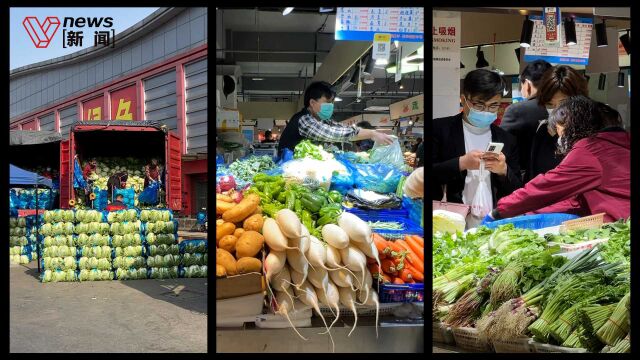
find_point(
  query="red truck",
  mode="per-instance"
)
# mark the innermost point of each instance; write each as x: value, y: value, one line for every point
x: 122, y: 138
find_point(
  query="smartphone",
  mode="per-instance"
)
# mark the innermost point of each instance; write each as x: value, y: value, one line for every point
x: 495, y: 148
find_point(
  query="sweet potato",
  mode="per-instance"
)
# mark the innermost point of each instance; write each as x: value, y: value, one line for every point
x: 248, y: 265
x: 223, y: 206
x: 228, y: 242
x: 225, y: 198
x: 238, y: 232
x: 220, y: 271
x: 253, y: 223
x: 244, y: 208
x: 258, y: 211
x: 224, y: 258
x: 249, y: 244
x: 224, y: 230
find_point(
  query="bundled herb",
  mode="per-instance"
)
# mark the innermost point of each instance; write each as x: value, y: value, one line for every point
x: 590, y: 319
x: 623, y: 346
x: 466, y: 310
x: 617, y: 325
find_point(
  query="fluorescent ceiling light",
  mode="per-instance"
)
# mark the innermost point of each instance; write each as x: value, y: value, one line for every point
x: 337, y: 98
x: 287, y: 11
x: 406, y: 68
x: 396, y: 43
x: 257, y: 79
x: 377, y: 108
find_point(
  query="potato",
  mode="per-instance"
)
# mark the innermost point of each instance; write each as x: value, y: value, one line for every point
x: 253, y: 223
x: 249, y: 244
x: 225, y: 198
x: 248, y: 265
x: 223, y: 206
x: 226, y: 260
x: 241, y: 211
x: 228, y: 242
x: 239, y: 231
x: 258, y: 211
x: 220, y: 271
x: 224, y: 230
x: 219, y: 222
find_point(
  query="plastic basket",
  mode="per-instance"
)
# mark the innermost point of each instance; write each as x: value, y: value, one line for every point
x: 395, y: 293
x: 468, y: 339
x: 587, y: 222
x: 385, y: 310
x: 409, y: 227
x: 520, y: 345
x: 442, y: 334
x: 533, y: 222
x: 548, y: 348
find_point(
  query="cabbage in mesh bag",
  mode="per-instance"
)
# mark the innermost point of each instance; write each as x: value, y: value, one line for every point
x: 137, y: 250
x: 131, y: 274
x: 163, y: 273
x: 58, y: 263
x: 194, y: 271
x: 59, y: 240
x: 99, y: 252
x: 59, y: 276
x: 127, y: 262
x: 194, y: 259
x: 94, y: 263
x: 126, y: 240
x: 159, y: 239
x: 163, y: 261
x: 95, y: 275
x: 59, y: 251
x: 163, y: 249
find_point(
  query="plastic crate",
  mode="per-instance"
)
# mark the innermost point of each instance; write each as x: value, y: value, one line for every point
x: 587, y: 222
x: 396, y: 293
x: 442, y: 334
x: 409, y: 227
x: 385, y: 310
x: 520, y: 345
x: 534, y: 222
x: 548, y: 348
x: 468, y: 339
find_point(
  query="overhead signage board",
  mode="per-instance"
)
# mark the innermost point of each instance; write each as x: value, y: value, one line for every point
x: 561, y: 53
x: 362, y: 23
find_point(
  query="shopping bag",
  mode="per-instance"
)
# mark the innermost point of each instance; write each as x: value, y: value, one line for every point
x: 482, y: 203
x: 387, y: 154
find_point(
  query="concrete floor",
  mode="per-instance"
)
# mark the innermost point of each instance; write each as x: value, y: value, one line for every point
x: 106, y: 316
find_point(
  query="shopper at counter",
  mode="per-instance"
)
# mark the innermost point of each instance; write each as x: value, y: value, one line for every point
x: 314, y: 122
x: 521, y: 119
x: 414, y: 148
x: 556, y: 85
x: 595, y: 175
x: 460, y: 141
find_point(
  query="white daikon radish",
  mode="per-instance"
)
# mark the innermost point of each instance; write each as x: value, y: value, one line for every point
x: 282, y: 282
x: 319, y: 278
x: 274, y: 237
x: 285, y: 305
x: 357, y: 229
x: 297, y: 262
x: 289, y: 223
x: 303, y: 242
x: 373, y: 299
x: 307, y: 294
x: 297, y: 277
x: 354, y: 260
x: 274, y: 263
x: 370, y: 250
x: 330, y: 298
x: 347, y: 299
x: 365, y: 289
x: 322, y: 298
x: 335, y: 236
x: 317, y: 253
x: 342, y: 278
x: 334, y: 260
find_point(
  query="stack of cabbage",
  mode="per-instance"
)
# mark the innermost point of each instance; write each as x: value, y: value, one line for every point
x: 20, y: 250
x: 94, y: 244
x: 32, y: 235
x: 160, y: 229
x: 59, y: 251
x: 129, y: 262
x: 133, y: 166
x: 193, y: 258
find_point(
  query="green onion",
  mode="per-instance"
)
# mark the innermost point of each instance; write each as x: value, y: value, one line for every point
x: 617, y: 325
x: 506, y: 285
x: 622, y: 346
x: 385, y: 225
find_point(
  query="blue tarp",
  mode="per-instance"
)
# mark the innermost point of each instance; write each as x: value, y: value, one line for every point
x: 18, y: 176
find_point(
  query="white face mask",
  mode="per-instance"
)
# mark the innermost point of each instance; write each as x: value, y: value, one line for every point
x: 550, y: 110
x: 559, y: 141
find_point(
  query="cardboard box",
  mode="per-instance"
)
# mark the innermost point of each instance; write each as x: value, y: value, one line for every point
x: 239, y: 285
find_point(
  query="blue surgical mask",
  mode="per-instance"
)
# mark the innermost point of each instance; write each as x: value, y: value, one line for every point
x: 481, y: 119
x: 326, y: 110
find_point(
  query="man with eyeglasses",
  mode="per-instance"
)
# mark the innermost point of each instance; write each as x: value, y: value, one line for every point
x: 460, y: 142
x: 521, y: 119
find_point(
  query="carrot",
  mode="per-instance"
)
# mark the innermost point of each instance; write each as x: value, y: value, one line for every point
x: 398, y: 281
x: 411, y: 281
x: 415, y: 274
x: 412, y: 258
x: 381, y: 244
x: 415, y: 247
x: 405, y: 274
x: 389, y: 267
x: 395, y: 246
x: 373, y: 269
x: 371, y: 261
x: 419, y: 240
x: 386, y: 278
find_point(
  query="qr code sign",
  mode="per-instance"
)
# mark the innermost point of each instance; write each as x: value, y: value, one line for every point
x: 381, y: 47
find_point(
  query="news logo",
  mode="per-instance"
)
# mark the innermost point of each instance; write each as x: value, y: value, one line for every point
x: 41, y: 34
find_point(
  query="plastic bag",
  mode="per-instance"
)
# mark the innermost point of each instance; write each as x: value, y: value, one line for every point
x: 150, y: 194
x: 226, y: 182
x: 415, y: 207
x: 363, y: 199
x: 308, y: 172
x: 482, y: 203
x: 381, y: 178
x: 387, y: 154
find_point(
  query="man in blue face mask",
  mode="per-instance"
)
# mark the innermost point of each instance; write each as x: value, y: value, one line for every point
x: 314, y: 122
x: 460, y: 142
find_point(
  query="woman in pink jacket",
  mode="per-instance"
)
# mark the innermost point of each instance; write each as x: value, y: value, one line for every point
x: 594, y: 176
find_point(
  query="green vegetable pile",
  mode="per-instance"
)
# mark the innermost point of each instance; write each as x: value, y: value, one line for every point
x: 19, y: 244
x: 246, y: 169
x: 314, y: 208
x: 306, y: 149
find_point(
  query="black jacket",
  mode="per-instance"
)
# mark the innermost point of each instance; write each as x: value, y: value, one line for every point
x: 543, y: 153
x: 291, y: 134
x: 521, y: 120
x: 448, y: 146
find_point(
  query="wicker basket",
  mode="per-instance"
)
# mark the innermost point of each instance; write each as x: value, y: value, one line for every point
x: 587, y: 222
x: 468, y: 339
x: 442, y: 334
x: 548, y: 348
x: 520, y: 345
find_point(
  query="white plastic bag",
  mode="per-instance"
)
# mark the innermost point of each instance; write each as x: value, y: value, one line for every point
x: 308, y: 172
x: 482, y: 201
x: 387, y: 154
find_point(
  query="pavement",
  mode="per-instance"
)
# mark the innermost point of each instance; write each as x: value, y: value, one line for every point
x: 106, y: 316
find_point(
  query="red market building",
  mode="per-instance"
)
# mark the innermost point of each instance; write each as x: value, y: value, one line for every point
x: 156, y: 71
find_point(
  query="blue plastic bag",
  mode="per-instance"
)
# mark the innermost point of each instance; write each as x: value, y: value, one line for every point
x: 380, y: 178
x: 415, y: 207
x: 150, y: 194
x: 287, y: 155
x: 14, y: 201
x: 128, y: 195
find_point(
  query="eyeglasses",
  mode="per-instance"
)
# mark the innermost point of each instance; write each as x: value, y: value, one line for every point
x: 480, y: 106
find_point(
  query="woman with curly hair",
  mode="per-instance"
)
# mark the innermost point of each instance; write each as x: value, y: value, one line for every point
x: 594, y: 175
